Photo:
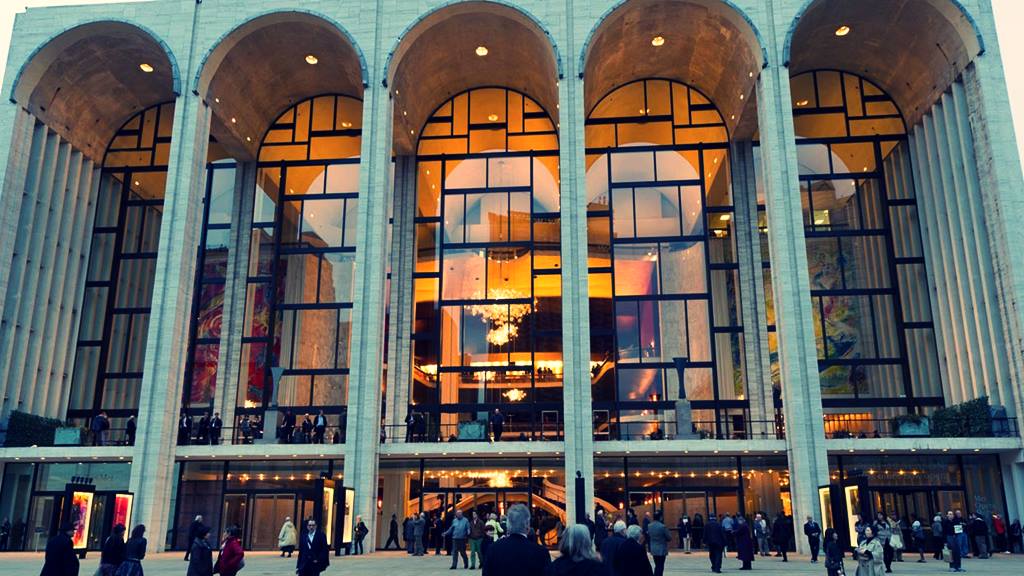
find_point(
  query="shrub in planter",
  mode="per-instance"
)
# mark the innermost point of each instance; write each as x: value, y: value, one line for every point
x: 946, y: 423
x: 24, y: 429
x: 977, y: 417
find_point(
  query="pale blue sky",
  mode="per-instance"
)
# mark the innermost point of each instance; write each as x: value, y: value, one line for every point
x: 1009, y: 21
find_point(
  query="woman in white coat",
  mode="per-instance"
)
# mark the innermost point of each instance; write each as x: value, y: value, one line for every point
x: 869, y: 555
x: 286, y: 538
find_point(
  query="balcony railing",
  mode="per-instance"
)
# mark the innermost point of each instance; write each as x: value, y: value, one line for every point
x: 842, y: 426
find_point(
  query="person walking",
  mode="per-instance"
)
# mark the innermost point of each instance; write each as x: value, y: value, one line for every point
x: 1016, y: 537
x: 938, y: 539
x: 60, y: 558
x: 952, y: 528
x: 419, y: 529
x: 576, y: 555
x: 393, y: 533
x: 459, y: 532
x: 436, y: 527
x: 113, y: 551
x: 980, y: 532
x: 658, y: 539
x: 497, y: 424
x: 134, y: 553
x: 727, y: 522
x: 476, y: 535
x: 780, y: 535
x: 600, y: 529
x: 610, y: 546
x: 201, y: 561
x: 287, y: 537
x: 761, y: 534
x: 361, y: 532
x: 314, y: 554
x: 193, y: 530
x: 917, y: 539
x: 631, y: 559
x: 869, y: 555
x: 683, y: 528
x: 999, y: 534
x: 744, y: 542
x: 883, y: 532
x: 496, y: 530
x: 896, y: 539
x: 697, y: 531
x: 231, y: 558
x: 516, y: 554
x: 813, y: 532
x: 714, y: 537
x: 216, y: 426
x: 833, y: 554
x: 859, y: 527
x: 130, y: 427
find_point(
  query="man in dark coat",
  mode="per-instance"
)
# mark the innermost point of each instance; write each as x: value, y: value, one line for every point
x: 631, y: 558
x: 216, y: 425
x: 184, y: 430
x: 781, y: 533
x: 600, y: 530
x: 516, y: 554
x: 610, y: 546
x: 314, y: 555
x: 287, y: 427
x: 497, y: 424
x: 130, y: 427
x: 813, y: 532
x: 714, y: 539
x: 193, y: 532
x: 393, y: 533
x: 744, y: 542
x: 60, y: 559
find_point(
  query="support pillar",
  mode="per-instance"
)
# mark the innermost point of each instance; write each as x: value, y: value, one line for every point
x: 152, y: 478
x: 362, y: 437
x: 403, y: 264
x: 801, y: 392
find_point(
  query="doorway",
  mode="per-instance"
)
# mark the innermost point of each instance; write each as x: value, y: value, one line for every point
x: 260, y: 515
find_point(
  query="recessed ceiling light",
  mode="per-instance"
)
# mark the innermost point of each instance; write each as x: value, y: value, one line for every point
x: 137, y: 183
x: 311, y: 59
x: 217, y: 100
x: 726, y: 217
x: 842, y: 30
x: 234, y: 120
x: 492, y: 117
x: 145, y: 67
x: 346, y: 124
x: 658, y: 41
x: 481, y: 51
x: 248, y: 138
x: 750, y: 74
x: 802, y: 102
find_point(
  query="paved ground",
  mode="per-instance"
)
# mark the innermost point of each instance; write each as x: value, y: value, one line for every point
x: 398, y: 564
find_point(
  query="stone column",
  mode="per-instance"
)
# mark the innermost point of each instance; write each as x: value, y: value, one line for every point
x: 801, y: 392
x: 152, y: 478
x: 578, y: 420
x: 403, y: 264
x: 364, y: 385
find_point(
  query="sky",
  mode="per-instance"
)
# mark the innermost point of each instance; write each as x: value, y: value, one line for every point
x: 1009, y: 18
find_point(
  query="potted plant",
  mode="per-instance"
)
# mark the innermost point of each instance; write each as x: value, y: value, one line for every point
x: 911, y: 425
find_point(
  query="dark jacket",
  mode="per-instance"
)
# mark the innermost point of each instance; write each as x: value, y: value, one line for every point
x: 193, y: 531
x: 610, y: 547
x: 514, y: 556
x: 113, y: 551
x: 659, y: 537
x: 781, y: 531
x: 833, y: 551
x: 135, y: 549
x: 713, y: 534
x: 600, y: 531
x: 631, y: 560
x: 60, y: 559
x: 313, y: 557
x: 563, y: 566
x: 744, y: 543
x: 200, y: 560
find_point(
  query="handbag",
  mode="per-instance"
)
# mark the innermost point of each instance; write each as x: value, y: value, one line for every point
x: 947, y: 554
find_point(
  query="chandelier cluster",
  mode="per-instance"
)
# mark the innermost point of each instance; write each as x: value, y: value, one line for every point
x: 504, y: 319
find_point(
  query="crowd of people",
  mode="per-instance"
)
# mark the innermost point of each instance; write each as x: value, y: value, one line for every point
x: 208, y: 429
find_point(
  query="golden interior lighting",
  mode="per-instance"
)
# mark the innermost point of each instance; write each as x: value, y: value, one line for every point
x: 842, y: 30
x: 146, y: 67
x: 658, y: 41
x: 311, y: 59
x: 481, y: 51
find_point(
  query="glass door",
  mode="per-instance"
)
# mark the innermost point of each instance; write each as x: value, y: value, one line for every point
x: 268, y: 512
x: 234, y: 514
x: 41, y: 517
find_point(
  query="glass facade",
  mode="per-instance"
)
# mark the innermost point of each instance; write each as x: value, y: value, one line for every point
x: 664, y: 286
x: 487, y: 282
x: 122, y: 258
x: 298, y: 312
x: 869, y: 293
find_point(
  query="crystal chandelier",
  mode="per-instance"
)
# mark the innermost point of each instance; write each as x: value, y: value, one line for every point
x: 503, y: 318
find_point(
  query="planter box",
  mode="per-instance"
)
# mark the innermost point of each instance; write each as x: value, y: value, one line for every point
x: 909, y: 429
x: 473, y: 430
x: 67, y: 437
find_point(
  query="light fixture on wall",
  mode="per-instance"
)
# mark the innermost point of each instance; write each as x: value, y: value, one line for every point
x: 842, y: 30
x: 146, y: 67
x: 802, y: 102
x: 492, y: 117
x: 481, y: 50
x: 658, y: 41
x: 311, y: 59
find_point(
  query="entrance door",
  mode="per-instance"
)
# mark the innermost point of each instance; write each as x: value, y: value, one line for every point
x: 268, y: 512
x: 234, y: 513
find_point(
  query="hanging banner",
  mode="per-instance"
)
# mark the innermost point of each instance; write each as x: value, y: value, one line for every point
x: 80, y: 518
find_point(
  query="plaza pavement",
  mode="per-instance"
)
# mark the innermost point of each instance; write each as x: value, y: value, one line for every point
x: 400, y: 564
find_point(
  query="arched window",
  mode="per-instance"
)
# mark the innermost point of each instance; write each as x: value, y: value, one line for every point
x: 487, y: 281
x: 122, y: 258
x: 664, y: 288
x: 869, y: 292
x: 302, y: 255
